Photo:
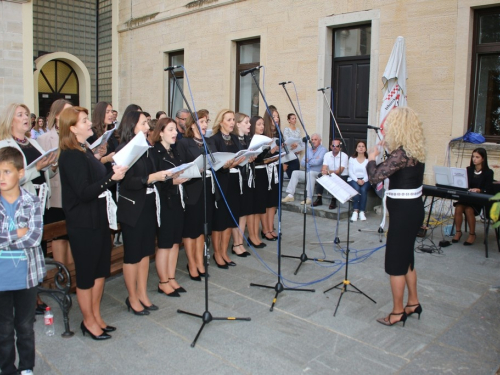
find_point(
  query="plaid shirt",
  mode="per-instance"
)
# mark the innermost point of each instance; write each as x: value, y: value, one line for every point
x: 28, y: 215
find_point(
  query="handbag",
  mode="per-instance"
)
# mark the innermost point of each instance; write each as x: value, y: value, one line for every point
x: 13, y: 270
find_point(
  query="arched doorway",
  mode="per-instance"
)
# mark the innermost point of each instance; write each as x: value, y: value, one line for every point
x: 57, y: 80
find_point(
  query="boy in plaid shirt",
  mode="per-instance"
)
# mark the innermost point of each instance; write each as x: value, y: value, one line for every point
x: 21, y: 227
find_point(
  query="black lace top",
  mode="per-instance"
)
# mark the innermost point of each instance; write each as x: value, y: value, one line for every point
x: 403, y: 172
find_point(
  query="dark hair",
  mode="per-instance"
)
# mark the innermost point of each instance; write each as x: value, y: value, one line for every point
x: 355, y: 153
x: 290, y: 115
x: 127, y: 125
x: 253, y: 122
x: 482, y: 152
x: 159, y: 113
x: 131, y: 108
x: 161, y: 124
x: 12, y: 155
x: 269, y: 121
x: 146, y: 114
x: 98, y: 117
x: 189, y: 122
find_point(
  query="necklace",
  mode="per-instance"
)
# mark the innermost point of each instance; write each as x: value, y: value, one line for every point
x: 198, y: 140
x: 20, y: 141
x: 241, y: 138
x: 226, y: 137
x: 476, y: 172
x: 83, y: 146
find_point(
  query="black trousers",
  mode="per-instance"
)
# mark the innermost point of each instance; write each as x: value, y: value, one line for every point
x: 17, y: 314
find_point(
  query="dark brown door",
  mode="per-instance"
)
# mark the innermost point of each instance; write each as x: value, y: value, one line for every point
x: 351, y: 82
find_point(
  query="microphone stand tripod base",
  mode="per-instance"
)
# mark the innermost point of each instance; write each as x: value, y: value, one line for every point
x: 280, y: 288
x: 380, y: 232
x: 344, y: 289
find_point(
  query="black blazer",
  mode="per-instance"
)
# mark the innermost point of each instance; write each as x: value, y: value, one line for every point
x: 132, y: 189
x: 220, y: 146
x: 188, y: 151
x: 163, y: 161
x: 83, y: 179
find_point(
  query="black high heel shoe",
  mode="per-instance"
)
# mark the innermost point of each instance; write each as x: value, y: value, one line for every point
x: 456, y: 241
x: 140, y: 313
x: 109, y: 329
x: 231, y: 263
x: 243, y: 254
x: 467, y: 243
x: 194, y: 278
x: 418, y: 310
x: 387, y: 320
x: 223, y: 266
x: 259, y: 246
x: 152, y: 307
x: 175, y: 293
x: 269, y: 239
x: 102, y: 336
x: 179, y: 289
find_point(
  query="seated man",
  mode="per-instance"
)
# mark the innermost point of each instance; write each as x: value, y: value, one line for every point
x: 334, y: 162
x: 314, y: 159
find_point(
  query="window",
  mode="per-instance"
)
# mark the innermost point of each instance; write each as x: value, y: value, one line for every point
x: 484, y: 115
x: 175, y: 101
x: 247, y: 94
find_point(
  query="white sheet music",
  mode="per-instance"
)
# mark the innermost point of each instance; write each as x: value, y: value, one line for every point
x: 298, y: 141
x: 129, y: 154
x: 189, y: 170
x: 102, y: 139
x: 247, y: 154
x: 47, y: 153
x: 220, y: 159
x: 459, y: 177
x: 258, y: 141
x: 337, y: 187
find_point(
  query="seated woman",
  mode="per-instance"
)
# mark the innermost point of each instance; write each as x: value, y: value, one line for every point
x: 480, y: 178
x: 358, y: 179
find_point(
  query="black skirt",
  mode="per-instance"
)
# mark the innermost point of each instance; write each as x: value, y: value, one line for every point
x: 247, y: 200
x: 91, y: 249
x: 273, y: 195
x: 140, y: 241
x: 405, y: 218
x: 260, y: 191
x: 194, y: 216
x: 222, y: 216
x: 172, y: 221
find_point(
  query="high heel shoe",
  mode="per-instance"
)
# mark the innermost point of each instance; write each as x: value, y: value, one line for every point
x: 102, y: 336
x: 175, y: 293
x: 243, y: 254
x: 151, y: 307
x: 179, y: 289
x: 418, y: 310
x: 140, y: 313
x: 194, y: 278
x: 270, y: 239
x: 223, y: 266
x: 387, y: 320
x: 231, y: 263
x: 109, y: 329
x: 456, y: 241
x: 467, y: 243
x: 259, y: 246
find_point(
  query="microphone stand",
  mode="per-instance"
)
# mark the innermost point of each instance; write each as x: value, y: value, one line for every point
x: 337, y: 239
x: 303, y: 257
x: 206, y: 317
x: 279, y: 287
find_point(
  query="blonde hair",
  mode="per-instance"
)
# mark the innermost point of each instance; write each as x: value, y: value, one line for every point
x: 219, y: 119
x: 7, y: 118
x: 403, y: 129
x: 55, y: 109
x: 239, y: 117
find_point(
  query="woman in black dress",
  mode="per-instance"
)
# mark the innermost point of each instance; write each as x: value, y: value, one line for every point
x: 137, y: 215
x: 242, y: 131
x: 83, y: 180
x: 404, y: 167
x: 172, y: 210
x: 190, y: 147
x: 480, y: 178
x: 228, y: 187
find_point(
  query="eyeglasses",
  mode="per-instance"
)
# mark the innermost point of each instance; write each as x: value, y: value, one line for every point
x: 336, y: 146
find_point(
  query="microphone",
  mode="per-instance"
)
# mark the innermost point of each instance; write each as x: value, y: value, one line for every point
x: 172, y: 68
x: 324, y: 88
x: 284, y: 83
x: 245, y: 72
x: 372, y: 127
x: 306, y: 138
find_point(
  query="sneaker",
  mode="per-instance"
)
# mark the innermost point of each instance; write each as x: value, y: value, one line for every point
x: 27, y: 372
x: 308, y: 201
x: 362, y: 216
x: 354, y: 217
x: 288, y: 199
x: 318, y: 202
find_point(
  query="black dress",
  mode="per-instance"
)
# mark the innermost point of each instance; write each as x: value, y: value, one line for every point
x: 483, y: 181
x: 194, y: 216
x: 83, y: 179
x: 228, y: 187
x: 405, y: 215
x: 261, y: 184
x: 246, y: 199
x: 137, y: 210
x: 172, y: 212
x: 273, y: 170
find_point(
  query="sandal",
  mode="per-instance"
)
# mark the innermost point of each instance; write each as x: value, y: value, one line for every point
x: 387, y: 320
x: 180, y: 289
x: 241, y: 255
x: 458, y: 239
x: 467, y: 243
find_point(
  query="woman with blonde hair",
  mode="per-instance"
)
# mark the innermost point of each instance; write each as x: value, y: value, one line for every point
x: 404, y: 138
x: 227, y: 191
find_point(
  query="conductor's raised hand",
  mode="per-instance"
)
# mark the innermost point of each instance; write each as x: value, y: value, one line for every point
x: 119, y: 172
x: 373, y: 153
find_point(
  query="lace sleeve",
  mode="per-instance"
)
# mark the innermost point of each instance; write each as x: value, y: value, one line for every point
x: 396, y: 161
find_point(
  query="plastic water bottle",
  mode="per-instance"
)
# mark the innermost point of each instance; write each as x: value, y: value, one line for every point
x: 48, y: 318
